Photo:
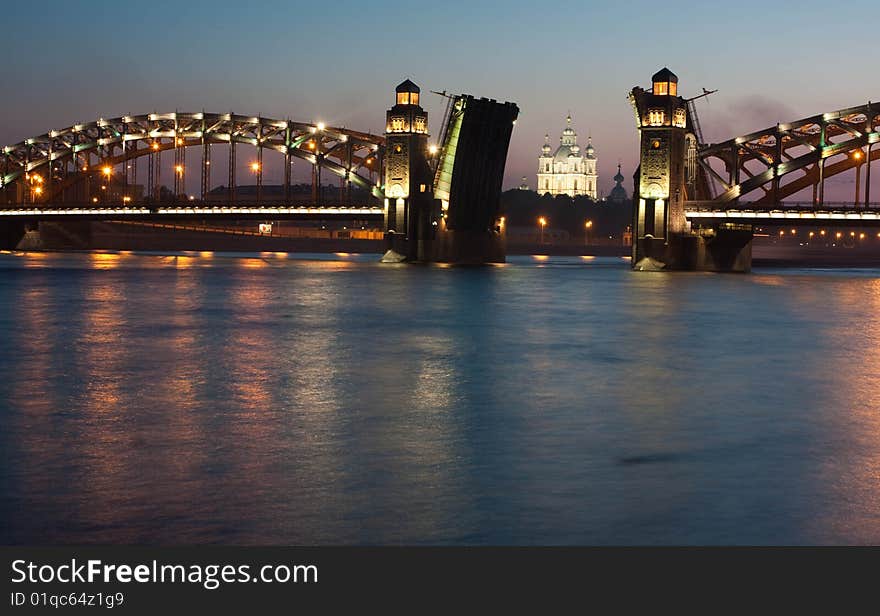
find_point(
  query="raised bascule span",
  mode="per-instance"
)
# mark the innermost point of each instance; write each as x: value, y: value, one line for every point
x: 695, y: 205
x: 53, y: 176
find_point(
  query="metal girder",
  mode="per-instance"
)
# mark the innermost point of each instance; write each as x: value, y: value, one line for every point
x: 780, y: 151
x: 351, y: 155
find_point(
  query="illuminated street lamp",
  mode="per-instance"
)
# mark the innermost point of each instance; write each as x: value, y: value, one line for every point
x: 857, y: 156
x: 543, y: 222
x: 588, y: 225
x: 255, y: 167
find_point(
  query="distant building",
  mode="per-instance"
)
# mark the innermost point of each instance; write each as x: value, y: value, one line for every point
x: 618, y: 193
x: 525, y: 184
x: 566, y: 171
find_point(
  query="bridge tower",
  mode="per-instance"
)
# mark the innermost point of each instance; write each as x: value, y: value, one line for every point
x: 408, y: 177
x: 668, y: 175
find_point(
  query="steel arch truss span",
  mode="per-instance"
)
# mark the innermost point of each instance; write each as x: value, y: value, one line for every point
x: 351, y: 155
x: 788, y: 158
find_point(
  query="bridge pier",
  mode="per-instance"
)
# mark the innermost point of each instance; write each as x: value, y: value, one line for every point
x: 663, y: 238
x: 11, y: 233
x: 712, y: 249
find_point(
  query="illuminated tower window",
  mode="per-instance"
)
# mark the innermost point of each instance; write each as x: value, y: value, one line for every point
x: 679, y: 120
x: 656, y: 117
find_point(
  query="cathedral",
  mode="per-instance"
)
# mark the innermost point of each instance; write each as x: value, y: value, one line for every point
x: 566, y: 171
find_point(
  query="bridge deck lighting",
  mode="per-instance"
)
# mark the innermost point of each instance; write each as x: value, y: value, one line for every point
x: 126, y: 199
x: 155, y: 146
x: 94, y: 199
x: 178, y: 168
x: 107, y: 171
x: 588, y: 224
x: 255, y: 167
x: 38, y: 190
x: 857, y: 155
x: 542, y: 221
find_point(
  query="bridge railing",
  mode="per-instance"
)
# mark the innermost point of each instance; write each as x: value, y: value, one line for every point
x: 187, y: 208
x: 782, y: 206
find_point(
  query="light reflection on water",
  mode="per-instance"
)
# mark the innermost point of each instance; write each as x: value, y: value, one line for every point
x: 273, y: 400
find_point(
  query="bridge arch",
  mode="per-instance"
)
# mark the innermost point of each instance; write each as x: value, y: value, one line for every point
x: 782, y: 160
x: 355, y: 157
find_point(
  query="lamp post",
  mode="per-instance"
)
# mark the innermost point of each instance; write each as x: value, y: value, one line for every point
x: 588, y: 226
x: 258, y: 179
x: 857, y: 156
x: 543, y: 223
x: 178, y: 170
x: 107, y: 171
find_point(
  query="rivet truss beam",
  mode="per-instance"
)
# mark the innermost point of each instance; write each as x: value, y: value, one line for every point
x: 348, y: 154
x: 787, y: 158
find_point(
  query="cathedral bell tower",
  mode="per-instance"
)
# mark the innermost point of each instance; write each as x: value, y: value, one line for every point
x: 408, y: 178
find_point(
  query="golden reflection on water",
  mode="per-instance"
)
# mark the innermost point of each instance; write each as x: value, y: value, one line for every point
x: 849, y: 357
x: 104, y: 260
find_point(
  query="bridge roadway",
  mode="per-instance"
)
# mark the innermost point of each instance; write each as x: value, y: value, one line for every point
x: 257, y: 211
x: 827, y: 214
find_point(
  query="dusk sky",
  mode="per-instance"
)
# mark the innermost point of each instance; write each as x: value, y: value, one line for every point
x: 339, y: 61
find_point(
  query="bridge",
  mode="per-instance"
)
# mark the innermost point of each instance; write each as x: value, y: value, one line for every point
x: 696, y: 203
x: 431, y: 199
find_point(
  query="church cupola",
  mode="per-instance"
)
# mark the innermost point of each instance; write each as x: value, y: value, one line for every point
x: 665, y: 83
x: 591, y: 151
x: 569, y: 137
x: 408, y: 93
x: 545, y: 149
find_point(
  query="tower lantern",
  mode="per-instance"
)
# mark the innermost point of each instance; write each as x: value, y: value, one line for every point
x: 408, y: 93
x: 665, y: 83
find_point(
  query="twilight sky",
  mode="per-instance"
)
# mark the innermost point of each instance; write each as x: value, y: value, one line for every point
x: 339, y: 61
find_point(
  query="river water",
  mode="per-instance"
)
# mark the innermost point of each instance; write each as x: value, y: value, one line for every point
x: 267, y: 399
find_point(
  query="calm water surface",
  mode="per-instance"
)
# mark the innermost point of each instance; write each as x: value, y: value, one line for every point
x: 272, y: 400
